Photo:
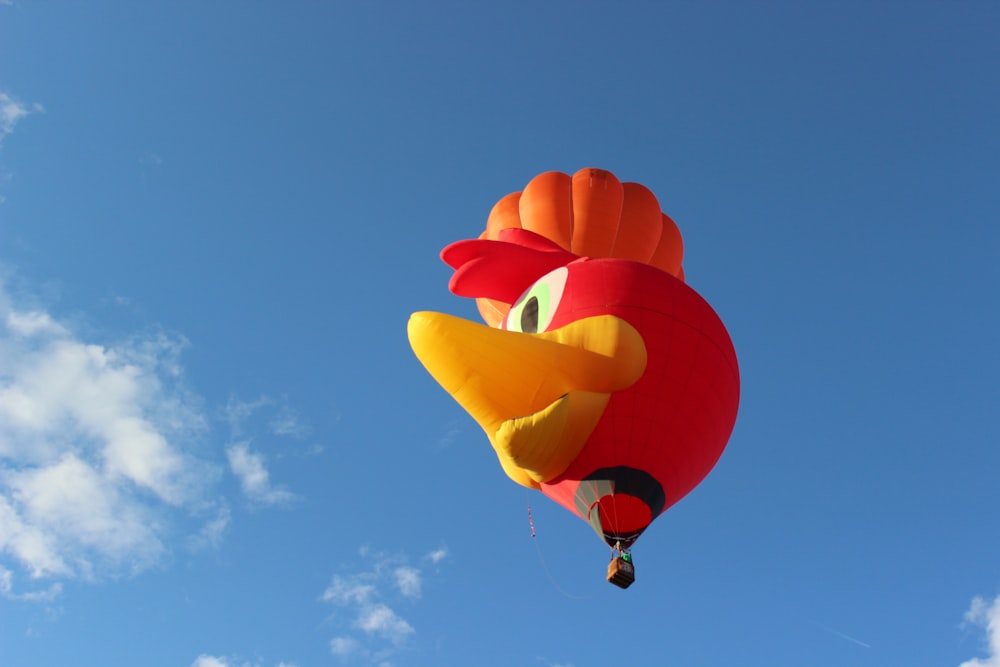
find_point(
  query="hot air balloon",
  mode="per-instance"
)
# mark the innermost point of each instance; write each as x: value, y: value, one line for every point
x: 600, y: 378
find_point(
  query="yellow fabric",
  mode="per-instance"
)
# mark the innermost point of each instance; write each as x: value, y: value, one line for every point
x: 537, y: 396
x: 544, y: 444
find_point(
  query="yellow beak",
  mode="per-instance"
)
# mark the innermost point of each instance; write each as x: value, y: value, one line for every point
x: 537, y: 396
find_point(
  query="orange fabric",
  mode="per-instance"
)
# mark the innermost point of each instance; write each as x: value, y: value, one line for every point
x: 640, y: 225
x: 546, y: 207
x: 597, y: 208
x: 503, y: 215
x: 669, y: 251
x: 492, y: 311
x: 591, y: 214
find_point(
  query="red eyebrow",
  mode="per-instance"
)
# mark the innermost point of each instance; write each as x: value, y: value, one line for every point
x: 504, y: 268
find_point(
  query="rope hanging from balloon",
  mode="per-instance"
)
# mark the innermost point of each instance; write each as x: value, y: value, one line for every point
x: 545, y: 567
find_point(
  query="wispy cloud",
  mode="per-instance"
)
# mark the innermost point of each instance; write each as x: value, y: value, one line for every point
x: 844, y: 635
x: 214, y: 529
x: 255, y: 481
x: 208, y: 661
x: 95, y: 442
x: 408, y: 581
x: 985, y: 616
x: 437, y: 555
x: 453, y: 429
x: 374, y: 628
x: 12, y: 111
x: 269, y: 415
x: 261, y: 416
x: 205, y: 660
x: 237, y: 412
x: 44, y: 595
x: 345, y: 646
x: 289, y: 423
x: 380, y: 620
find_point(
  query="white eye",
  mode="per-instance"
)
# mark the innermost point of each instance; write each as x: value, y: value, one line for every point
x: 533, y: 310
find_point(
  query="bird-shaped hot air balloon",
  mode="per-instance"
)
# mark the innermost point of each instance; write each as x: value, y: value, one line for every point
x: 601, y: 379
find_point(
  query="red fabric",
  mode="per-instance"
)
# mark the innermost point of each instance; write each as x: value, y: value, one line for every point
x: 675, y: 421
x: 502, y: 269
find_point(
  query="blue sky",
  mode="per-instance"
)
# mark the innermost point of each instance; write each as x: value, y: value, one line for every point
x: 217, y: 449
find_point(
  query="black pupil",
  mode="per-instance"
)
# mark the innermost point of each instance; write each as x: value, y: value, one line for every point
x: 529, y: 316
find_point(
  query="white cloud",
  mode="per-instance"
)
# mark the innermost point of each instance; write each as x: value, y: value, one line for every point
x: 71, y: 505
x: 288, y: 423
x: 254, y: 479
x: 249, y: 466
x: 7, y: 589
x: 237, y: 412
x: 214, y: 529
x: 118, y: 400
x: 12, y: 111
x: 985, y: 615
x: 94, y: 448
x: 205, y: 660
x: 344, y: 591
x: 453, y: 430
x: 437, y: 555
x: 383, y: 621
x: 32, y: 323
x: 208, y: 661
x: 408, y: 581
x: 284, y: 421
x: 343, y: 646
x: 369, y: 597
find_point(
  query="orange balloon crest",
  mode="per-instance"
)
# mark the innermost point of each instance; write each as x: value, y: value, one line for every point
x: 591, y: 214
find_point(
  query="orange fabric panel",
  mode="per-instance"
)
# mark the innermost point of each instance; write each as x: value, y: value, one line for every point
x: 546, y: 207
x: 492, y: 311
x: 669, y: 251
x: 591, y: 214
x: 641, y: 224
x: 597, y: 208
x: 504, y: 214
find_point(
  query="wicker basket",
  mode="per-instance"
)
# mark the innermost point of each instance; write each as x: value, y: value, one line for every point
x: 621, y: 572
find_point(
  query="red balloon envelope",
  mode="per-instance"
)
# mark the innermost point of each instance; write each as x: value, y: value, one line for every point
x: 604, y: 381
